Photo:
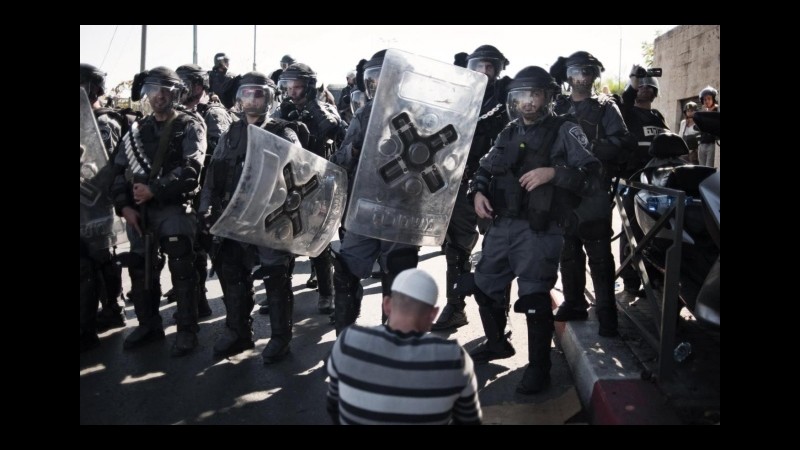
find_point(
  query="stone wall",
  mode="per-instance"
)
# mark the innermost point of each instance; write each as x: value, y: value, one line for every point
x: 689, y: 55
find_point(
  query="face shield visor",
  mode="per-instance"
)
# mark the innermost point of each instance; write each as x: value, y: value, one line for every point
x: 254, y: 99
x: 371, y: 77
x: 581, y: 77
x: 528, y: 104
x: 487, y: 67
x: 161, y: 96
x: 357, y: 100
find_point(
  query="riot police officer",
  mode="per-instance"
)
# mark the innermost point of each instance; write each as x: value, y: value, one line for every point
x: 235, y: 260
x: 165, y: 153
x: 358, y: 253
x: 590, y: 226
x: 100, y: 277
x: 217, y: 120
x: 326, y: 130
x: 526, y: 184
x: 462, y: 234
x: 221, y: 81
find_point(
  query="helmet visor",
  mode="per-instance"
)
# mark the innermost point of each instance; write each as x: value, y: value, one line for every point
x: 371, y: 77
x: 485, y: 66
x: 528, y: 104
x: 357, y: 100
x: 254, y: 99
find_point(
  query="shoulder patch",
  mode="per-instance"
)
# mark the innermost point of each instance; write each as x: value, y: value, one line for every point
x: 579, y: 136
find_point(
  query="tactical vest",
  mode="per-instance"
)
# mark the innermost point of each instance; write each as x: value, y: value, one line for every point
x: 523, y: 153
x: 644, y: 125
x: 150, y: 139
x: 323, y: 123
x: 228, y: 169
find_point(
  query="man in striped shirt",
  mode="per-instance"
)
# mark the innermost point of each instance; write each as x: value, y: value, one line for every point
x: 398, y: 373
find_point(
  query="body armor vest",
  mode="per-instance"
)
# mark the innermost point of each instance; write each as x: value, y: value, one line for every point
x: 523, y: 153
x: 174, y: 153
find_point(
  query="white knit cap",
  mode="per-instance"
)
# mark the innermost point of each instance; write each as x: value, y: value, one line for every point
x: 418, y: 285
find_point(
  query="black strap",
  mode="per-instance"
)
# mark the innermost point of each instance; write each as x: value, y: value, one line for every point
x: 163, y: 145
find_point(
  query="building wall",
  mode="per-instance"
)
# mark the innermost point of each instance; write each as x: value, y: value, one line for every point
x: 689, y: 55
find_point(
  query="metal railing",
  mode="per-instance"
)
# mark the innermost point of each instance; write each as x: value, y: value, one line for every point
x: 664, y: 343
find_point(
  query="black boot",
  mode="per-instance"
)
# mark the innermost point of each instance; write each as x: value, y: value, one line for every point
x: 601, y: 263
x: 347, y: 296
x: 323, y: 266
x: 238, y: 335
x: 279, y: 290
x: 145, y: 305
x: 573, y: 281
x: 184, y: 284
x: 494, y: 321
x: 540, y: 334
x: 453, y: 315
x: 396, y: 262
x: 111, y: 314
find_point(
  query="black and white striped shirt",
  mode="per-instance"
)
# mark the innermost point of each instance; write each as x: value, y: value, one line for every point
x: 382, y: 376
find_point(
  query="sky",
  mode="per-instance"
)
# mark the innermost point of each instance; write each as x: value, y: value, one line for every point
x: 333, y: 50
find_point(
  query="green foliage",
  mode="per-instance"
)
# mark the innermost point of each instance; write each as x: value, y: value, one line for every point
x: 648, y: 50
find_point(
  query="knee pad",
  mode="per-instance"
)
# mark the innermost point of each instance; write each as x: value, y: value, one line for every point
x: 595, y: 229
x: 538, y: 306
x: 484, y: 300
x: 130, y: 260
x: 177, y: 246
x: 276, y: 277
x: 400, y: 260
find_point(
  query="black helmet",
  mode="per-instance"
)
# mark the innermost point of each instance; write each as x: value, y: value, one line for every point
x: 193, y: 74
x: 708, y: 90
x: 650, y: 81
x: 256, y: 84
x: 688, y: 106
x: 582, y: 59
x: 93, y: 76
x: 533, y: 77
x: 159, y: 76
x: 372, y: 71
x: 220, y: 57
x: 491, y: 53
x: 302, y: 72
x: 520, y: 97
x: 288, y: 59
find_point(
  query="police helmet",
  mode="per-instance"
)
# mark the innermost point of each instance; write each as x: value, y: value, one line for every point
x: 530, y: 79
x: 688, y: 106
x: 301, y: 72
x: 192, y: 74
x: 256, y: 85
x: 220, y: 57
x: 94, y: 77
x: 650, y: 81
x: 288, y: 59
x: 372, y: 72
x: 156, y: 79
x: 490, y: 53
x: 708, y: 90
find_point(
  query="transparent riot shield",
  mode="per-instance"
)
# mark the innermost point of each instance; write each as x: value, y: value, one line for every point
x: 100, y: 227
x: 418, y: 138
x: 287, y: 198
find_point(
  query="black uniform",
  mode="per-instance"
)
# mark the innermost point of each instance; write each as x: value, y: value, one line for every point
x: 234, y: 260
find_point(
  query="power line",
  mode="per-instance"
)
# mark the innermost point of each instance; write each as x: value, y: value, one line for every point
x: 109, y: 46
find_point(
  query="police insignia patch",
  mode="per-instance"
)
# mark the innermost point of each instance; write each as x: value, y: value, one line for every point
x: 579, y: 136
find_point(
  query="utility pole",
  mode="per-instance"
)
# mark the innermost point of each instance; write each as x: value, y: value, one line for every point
x: 254, y: 47
x: 144, y: 48
x: 194, y: 48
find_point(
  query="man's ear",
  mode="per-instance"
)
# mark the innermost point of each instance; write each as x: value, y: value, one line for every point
x: 434, y: 313
x: 387, y: 305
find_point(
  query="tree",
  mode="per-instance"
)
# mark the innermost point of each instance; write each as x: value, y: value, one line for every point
x: 648, y: 50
